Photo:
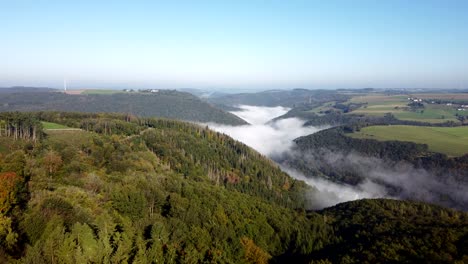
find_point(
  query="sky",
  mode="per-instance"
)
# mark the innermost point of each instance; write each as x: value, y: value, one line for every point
x: 251, y: 44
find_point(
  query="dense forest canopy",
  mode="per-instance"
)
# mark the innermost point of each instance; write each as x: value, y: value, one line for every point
x: 144, y: 190
x: 164, y: 103
x: 286, y: 98
x: 395, y: 165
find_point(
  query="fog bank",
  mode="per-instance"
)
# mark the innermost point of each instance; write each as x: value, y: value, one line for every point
x: 271, y: 139
x: 328, y: 193
x: 407, y: 181
x: 274, y: 139
x: 380, y: 178
x: 258, y: 115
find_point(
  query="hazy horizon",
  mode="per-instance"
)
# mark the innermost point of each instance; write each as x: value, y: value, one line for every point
x: 248, y: 45
x: 220, y: 90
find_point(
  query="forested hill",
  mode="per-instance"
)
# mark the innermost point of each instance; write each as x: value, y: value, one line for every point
x: 122, y: 189
x: 25, y: 89
x: 164, y: 103
x: 390, y: 231
x: 139, y: 190
x: 404, y: 169
x: 287, y: 98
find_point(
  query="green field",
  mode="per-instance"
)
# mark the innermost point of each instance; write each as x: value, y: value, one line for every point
x: 452, y: 141
x: 379, y: 105
x: 324, y: 107
x: 49, y: 125
x: 431, y: 113
x: 453, y: 97
x: 103, y: 91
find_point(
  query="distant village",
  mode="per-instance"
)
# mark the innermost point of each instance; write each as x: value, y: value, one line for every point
x: 141, y: 91
x: 459, y: 107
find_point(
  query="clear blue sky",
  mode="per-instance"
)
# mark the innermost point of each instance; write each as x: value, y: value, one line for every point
x: 235, y: 44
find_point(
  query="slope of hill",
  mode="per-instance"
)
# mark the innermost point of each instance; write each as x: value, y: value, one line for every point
x: 24, y: 89
x: 124, y: 189
x: 424, y: 108
x: 140, y: 190
x: 389, y: 231
x: 401, y: 169
x: 286, y: 98
x: 167, y: 104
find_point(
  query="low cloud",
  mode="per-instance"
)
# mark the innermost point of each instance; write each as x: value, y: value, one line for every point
x: 412, y: 183
x: 380, y: 179
x: 272, y: 139
x: 258, y: 115
x: 383, y: 178
x: 328, y: 193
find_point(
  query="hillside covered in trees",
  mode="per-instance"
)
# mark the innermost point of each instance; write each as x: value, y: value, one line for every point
x: 120, y: 188
x: 286, y: 98
x: 164, y: 103
x: 400, y: 167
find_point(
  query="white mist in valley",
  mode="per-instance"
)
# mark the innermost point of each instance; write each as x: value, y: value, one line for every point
x: 270, y: 138
x: 328, y: 193
x: 257, y: 115
x: 275, y: 138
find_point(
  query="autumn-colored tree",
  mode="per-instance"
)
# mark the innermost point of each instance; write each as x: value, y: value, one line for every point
x: 8, y: 187
x: 8, y: 199
x: 254, y: 253
x: 52, y: 162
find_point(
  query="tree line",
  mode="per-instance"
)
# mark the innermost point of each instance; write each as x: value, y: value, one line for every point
x: 20, y: 126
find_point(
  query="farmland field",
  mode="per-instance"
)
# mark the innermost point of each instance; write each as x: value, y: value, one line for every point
x: 99, y: 91
x: 74, y: 92
x: 379, y: 105
x: 432, y: 113
x: 454, y: 97
x: 452, y: 141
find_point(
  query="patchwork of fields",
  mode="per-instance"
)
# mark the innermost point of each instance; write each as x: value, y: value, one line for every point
x: 380, y: 104
x: 452, y: 141
x: 101, y: 91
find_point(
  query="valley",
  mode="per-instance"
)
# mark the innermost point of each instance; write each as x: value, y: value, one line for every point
x: 237, y: 132
x: 133, y: 189
x: 349, y: 158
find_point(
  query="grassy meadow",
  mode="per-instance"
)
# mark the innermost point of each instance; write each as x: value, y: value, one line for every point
x: 49, y: 125
x: 379, y: 105
x: 452, y: 141
x: 453, y: 97
x: 101, y: 91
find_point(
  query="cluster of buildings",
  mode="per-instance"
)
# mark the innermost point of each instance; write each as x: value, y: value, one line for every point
x: 142, y: 91
x: 462, y: 107
x: 413, y: 99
